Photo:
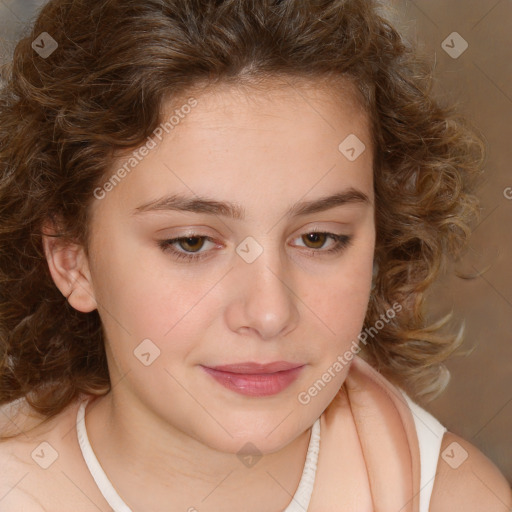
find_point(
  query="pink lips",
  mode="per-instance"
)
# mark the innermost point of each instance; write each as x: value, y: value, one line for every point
x: 254, y: 379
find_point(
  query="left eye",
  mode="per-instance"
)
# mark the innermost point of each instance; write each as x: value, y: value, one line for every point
x: 191, y: 245
x: 318, y: 239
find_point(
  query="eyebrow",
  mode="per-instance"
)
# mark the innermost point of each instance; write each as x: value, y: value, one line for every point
x: 235, y: 211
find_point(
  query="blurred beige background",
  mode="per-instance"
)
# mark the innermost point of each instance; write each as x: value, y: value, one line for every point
x: 477, y: 404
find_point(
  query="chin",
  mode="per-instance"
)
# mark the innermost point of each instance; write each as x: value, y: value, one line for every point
x: 254, y: 437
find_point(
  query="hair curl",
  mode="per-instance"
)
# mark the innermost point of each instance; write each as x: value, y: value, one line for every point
x: 63, y: 117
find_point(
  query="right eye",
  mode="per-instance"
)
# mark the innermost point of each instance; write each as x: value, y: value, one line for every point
x: 190, y: 244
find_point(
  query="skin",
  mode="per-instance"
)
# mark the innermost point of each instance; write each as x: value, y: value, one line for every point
x: 168, y: 433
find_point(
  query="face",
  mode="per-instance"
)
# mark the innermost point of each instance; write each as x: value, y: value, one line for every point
x: 183, y: 285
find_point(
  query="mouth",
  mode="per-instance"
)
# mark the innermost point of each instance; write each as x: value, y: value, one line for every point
x: 249, y: 368
x: 255, y: 379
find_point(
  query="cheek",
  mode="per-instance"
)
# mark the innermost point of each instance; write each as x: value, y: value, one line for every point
x: 340, y: 300
x: 342, y: 306
x: 128, y: 287
x: 144, y: 298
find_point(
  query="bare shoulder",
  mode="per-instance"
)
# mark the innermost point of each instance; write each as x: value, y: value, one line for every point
x: 39, y: 466
x: 17, y: 467
x: 468, y: 481
x: 14, y: 496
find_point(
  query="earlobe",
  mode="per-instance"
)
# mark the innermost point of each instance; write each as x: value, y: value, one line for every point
x: 69, y: 269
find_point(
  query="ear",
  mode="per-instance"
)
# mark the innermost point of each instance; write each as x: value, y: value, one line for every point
x: 69, y: 268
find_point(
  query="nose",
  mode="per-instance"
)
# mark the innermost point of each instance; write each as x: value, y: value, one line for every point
x: 263, y: 302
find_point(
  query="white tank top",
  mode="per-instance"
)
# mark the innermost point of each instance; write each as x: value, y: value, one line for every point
x: 430, y: 434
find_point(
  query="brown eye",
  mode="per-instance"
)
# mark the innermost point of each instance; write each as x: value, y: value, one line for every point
x: 191, y: 244
x: 316, y: 244
x: 187, y: 248
x: 316, y: 239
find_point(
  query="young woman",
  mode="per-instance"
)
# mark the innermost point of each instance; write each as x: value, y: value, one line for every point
x: 218, y: 222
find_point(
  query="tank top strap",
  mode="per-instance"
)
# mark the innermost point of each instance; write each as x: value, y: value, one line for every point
x: 430, y: 435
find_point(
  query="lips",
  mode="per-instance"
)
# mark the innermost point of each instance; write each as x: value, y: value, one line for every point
x: 250, y: 368
x: 256, y: 379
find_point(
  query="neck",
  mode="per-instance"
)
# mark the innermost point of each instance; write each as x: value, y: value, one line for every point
x: 155, y: 466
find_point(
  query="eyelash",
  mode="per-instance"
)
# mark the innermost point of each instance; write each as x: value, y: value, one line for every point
x: 341, y: 242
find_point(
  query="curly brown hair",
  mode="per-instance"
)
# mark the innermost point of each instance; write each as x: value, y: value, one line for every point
x: 64, y: 117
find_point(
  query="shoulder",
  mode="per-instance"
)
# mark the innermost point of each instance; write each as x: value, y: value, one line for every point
x: 15, y: 473
x: 34, y: 463
x: 467, y: 481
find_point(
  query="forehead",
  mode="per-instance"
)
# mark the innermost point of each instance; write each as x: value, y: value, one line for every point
x: 248, y: 142
x: 279, y: 100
